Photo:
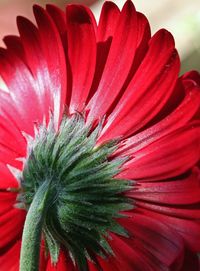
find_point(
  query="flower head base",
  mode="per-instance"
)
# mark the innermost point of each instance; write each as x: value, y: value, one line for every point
x: 83, y: 199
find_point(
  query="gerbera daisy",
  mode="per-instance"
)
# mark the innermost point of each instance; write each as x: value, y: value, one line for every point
x: 99, y: 145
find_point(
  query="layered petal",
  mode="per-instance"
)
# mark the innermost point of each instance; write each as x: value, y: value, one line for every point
x: 167, y: 157
x: 21, y: 87
x: 11, y: 221
x: 153, y: 245
x: 173, y: 192
x: 10, y: 259
x: 180, y: 116
x: 112, y: 80
x: 81, y: 53
x: 54, y: 55
x: 46, y: 63
x: 178, y: 219
x: 104, y: 36
x: 191, y: 262
x: 116, y: 72
x: 148, y: 91
x: 12, y: 143
x: 7, y: 180
x: 175, y: 202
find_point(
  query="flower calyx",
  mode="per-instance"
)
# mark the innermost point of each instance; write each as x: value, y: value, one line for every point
x: 84, y: 197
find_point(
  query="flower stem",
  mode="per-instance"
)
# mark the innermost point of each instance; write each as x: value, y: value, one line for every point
x: 31, y: 239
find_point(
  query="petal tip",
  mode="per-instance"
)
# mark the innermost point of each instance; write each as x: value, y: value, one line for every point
x: 77, y: 14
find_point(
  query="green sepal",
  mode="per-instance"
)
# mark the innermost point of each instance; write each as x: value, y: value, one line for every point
x: 52, y: 245
x: 88, y: 197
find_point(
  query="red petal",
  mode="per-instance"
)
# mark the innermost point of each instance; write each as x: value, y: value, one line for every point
x: 144, y: 35
x: 118, y: 64
x: 167, y: 157
x: 191, y: 262
x: 22, y: 89
x: 106, y: 26
x: 177, y: 119
x: 12, y: 143
x: 81, y: 53
x: 9, y: 261
x: 13, y: 43
x: 46, y: 60
x: 156, y: 245
x: 189, y: 212
x: 7, y: 179
x: 59, y: 19
x: 181, y: 223
x: 54, y: 55
x: 163, y: 243
x: 108, y: 264
x: 173, y: 192
x: 148, y: 90
x: 194, y: 76
x: 105, y: 32
x: 11, y: 220
x: 128, y: 256
x: 10, y: 113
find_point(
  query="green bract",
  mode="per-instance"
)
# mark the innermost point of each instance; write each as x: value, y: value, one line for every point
x: 82, y: 197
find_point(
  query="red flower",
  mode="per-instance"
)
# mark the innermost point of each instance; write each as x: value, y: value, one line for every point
x: 116, y: 75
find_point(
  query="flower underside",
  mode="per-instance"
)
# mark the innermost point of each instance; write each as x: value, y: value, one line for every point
x: 77, y: 183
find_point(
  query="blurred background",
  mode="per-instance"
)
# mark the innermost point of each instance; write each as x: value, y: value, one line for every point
x: 180, y: 17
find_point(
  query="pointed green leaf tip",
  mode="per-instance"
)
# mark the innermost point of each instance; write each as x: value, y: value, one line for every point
x: 86, y: 199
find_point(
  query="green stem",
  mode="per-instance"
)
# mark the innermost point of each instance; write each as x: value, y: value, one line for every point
x: 31, y: 239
